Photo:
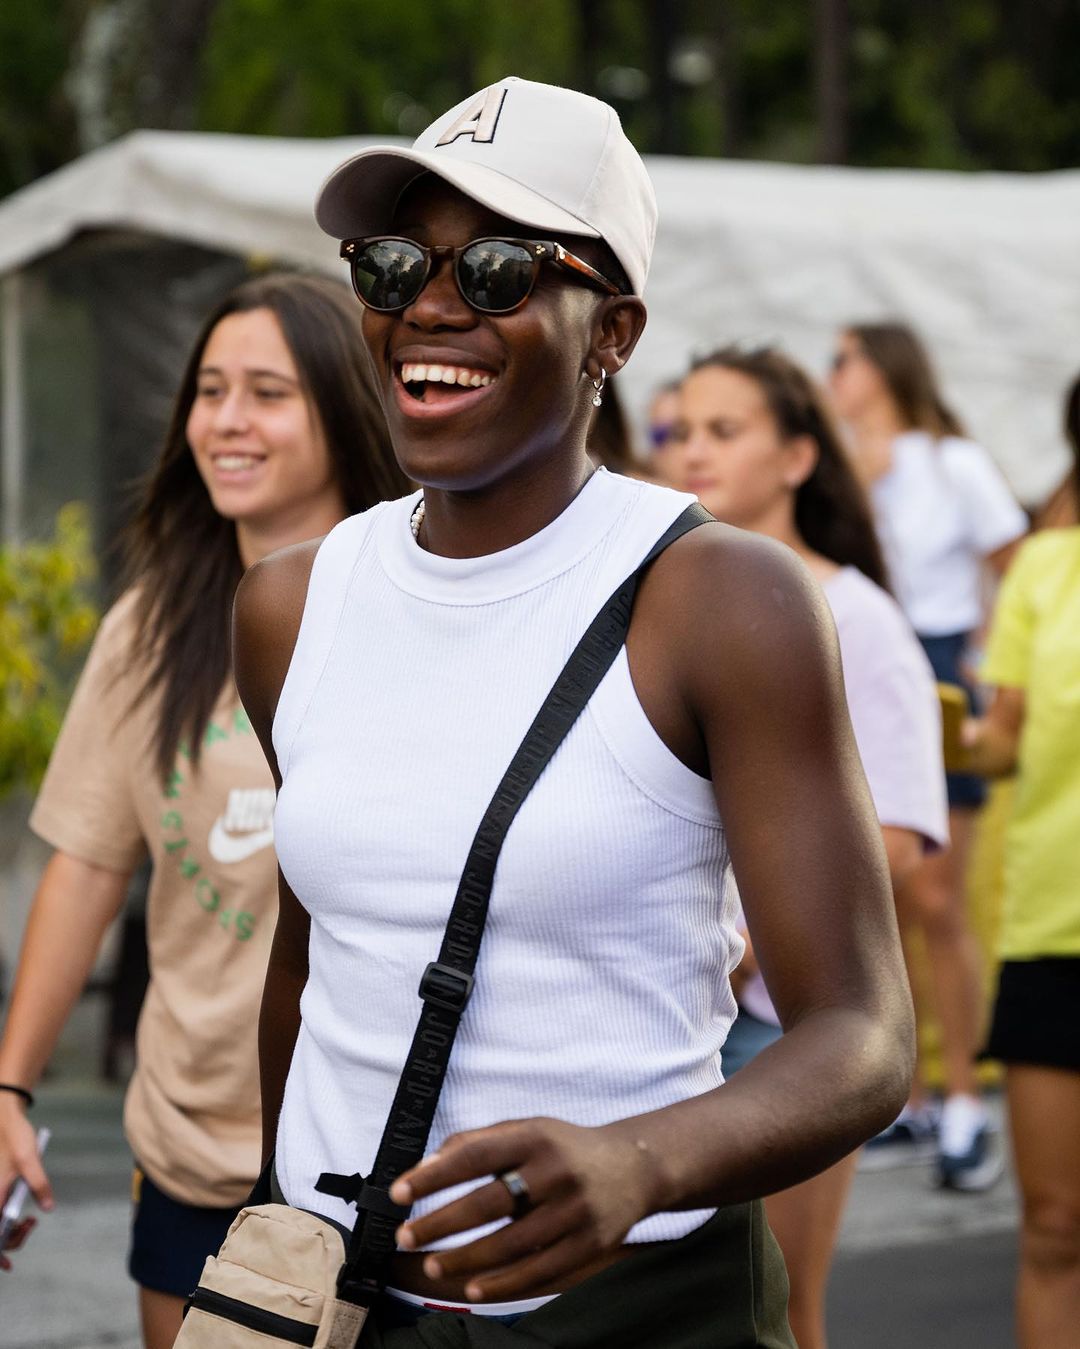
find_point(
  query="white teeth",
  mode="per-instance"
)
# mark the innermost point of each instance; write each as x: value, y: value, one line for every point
x: 230, y: 462
x: 445, y: 374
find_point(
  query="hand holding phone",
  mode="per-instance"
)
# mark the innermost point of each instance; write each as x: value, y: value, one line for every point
x: 13, y: 1231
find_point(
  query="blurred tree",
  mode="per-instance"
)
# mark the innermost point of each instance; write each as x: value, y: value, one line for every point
x: 137, y: 63
x: 37, y: 128
x: 971, y: 84
x: 47, y: 619
x: 832, y: 41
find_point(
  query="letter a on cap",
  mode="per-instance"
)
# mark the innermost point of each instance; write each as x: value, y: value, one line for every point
x: 479, y: 121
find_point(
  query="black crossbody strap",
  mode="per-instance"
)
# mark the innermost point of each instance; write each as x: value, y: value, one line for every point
x: 447, y: 982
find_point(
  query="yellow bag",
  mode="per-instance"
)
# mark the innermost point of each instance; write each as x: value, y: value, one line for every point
x: 274, y: 1281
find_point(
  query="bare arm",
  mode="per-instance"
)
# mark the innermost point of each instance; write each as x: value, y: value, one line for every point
x: 1001, y: 558
x: 903, y: 852
x: 992, y: 742
x: 279, y: 1017
x: 74, y: 905
x: 266, y: 620
x: 765, y: 689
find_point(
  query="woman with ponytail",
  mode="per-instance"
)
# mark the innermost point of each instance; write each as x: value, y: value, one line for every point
x: 755, y: 443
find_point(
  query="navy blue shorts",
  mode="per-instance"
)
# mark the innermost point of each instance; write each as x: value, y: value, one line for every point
x: 171, y: 1240
x: 945, y: 654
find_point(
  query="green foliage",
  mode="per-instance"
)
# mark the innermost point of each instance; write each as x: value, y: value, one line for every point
x: 47, y: 618
x: 972, y: 84
x: 36, y: 124
x: 335, y: 67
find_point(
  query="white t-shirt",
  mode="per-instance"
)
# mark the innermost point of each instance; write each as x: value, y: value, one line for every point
x: 941, y: 508
x: 896, y: 717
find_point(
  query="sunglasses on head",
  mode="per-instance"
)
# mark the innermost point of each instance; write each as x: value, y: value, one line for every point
x: 494, y: 276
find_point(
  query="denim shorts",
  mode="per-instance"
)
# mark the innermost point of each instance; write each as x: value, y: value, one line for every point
x: 945, y: 655
x: 748, y: 1036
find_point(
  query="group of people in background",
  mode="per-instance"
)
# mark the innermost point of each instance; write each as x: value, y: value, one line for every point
x: 907, y: 502
x: 894, y: 512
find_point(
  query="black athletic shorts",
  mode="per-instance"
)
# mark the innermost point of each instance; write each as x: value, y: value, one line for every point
x: 1037, y: 1013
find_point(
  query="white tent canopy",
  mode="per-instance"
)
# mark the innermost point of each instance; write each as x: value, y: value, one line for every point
x: 986, y: 266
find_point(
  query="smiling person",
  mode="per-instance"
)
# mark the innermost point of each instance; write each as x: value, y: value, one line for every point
x: 275, y: 436
x: 391, y: 672
x: 754, y: 442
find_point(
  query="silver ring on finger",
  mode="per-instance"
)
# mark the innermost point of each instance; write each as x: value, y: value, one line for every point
x: 518, y: 1189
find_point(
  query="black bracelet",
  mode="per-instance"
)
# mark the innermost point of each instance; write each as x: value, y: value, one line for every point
x: 28, y: 1096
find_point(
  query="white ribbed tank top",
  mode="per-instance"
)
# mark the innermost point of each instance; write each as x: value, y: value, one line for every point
x: 602, y: 987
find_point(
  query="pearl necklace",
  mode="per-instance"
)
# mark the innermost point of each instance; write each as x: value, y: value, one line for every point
x: 417, y: 519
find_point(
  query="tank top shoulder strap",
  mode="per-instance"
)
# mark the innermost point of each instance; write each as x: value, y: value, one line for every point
x: 643, y: 512
x: 328, y: 587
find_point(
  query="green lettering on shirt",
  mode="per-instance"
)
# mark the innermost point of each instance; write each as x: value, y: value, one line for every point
x: 241, y: 722
x: 214, y: 732
x: 172, y: 787
x: 208, y: 897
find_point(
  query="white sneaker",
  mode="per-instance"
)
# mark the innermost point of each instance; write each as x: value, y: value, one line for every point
x: 967, y: 1157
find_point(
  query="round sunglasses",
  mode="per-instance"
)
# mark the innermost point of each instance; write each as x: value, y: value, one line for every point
x: 494, y: 276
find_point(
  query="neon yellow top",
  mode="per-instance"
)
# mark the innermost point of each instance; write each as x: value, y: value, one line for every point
x: 1035, y: 646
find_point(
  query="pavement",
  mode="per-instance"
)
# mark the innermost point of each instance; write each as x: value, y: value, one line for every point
x: 915, y: 1266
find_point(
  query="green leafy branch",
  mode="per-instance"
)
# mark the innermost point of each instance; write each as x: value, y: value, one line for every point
x: 47, y: 619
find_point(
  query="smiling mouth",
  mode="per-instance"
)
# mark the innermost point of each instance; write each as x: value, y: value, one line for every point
x: 232, y: 463
x: 442, y: 383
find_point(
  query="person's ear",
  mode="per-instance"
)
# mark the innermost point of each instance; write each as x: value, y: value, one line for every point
x: 802, y: 456
x: 620, y: 321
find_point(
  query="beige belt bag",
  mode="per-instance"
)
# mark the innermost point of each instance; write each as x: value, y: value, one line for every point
x: 273, y: 1282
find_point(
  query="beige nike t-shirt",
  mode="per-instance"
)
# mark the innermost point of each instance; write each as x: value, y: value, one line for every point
x: 193, y: 1112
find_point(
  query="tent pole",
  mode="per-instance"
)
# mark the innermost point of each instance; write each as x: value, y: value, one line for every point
x: 12, y: 401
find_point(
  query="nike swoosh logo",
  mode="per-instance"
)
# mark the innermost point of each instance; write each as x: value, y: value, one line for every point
x: 225, y: 847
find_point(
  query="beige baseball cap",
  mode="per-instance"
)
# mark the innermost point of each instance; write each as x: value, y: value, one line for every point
x: 550, y: 157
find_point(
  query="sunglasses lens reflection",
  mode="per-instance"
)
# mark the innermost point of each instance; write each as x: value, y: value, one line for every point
x: 389, y: 273
x: 495, y: 276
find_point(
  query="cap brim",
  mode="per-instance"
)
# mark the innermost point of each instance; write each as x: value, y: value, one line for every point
x: 360, y: 195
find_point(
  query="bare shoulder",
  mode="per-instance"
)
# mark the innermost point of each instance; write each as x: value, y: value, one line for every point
x: 735, y: 602
x: 266, y: 620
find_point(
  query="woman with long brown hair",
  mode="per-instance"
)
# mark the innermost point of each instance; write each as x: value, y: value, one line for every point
x: 276, y: 435
x: 943, y: 512
x: 755, y: 443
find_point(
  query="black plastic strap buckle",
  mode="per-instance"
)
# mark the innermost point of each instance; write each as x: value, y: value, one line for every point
x: 357, y: 1189
x: 445, y: 987
x: 360, y: 1292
